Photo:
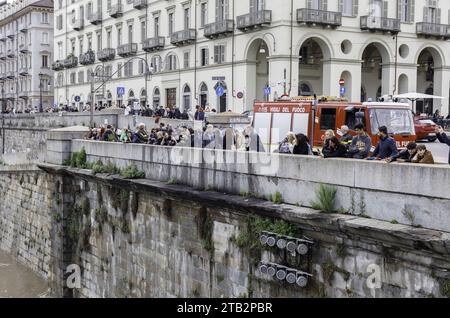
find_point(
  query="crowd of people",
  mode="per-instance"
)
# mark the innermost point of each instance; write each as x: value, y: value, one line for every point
x: 166, y: 135
x: 344, y: 146
x: 360, y: 146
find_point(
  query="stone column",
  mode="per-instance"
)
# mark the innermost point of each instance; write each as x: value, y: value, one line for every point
x: 442, y: 88
x: 59, y: 143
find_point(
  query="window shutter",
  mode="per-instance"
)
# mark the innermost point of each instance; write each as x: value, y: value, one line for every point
x: 341, y: 6
x: 216, y: 54
x: 385, y: 9
x: 253, y: 6
x: 206, y: 56
x: 371, y: 10
x: 355, y: 7
x: 226, y: 4
x: 218, y: 10
x: 401, y: 4
x: 438, y: 15
x: 425, y: 14
x: 412, y: 10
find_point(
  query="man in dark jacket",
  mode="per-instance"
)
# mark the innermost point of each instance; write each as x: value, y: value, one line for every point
x: 109, y: 134
x: 386, y: 148
x: 337, y: 149
x: 405, y: 155
x: 443, y: 138
x: 361, y: 144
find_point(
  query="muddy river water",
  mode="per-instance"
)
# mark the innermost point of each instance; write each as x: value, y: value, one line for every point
x: 17, y: 281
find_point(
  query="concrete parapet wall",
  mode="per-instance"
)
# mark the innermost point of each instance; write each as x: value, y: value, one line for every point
x: 409, y: 194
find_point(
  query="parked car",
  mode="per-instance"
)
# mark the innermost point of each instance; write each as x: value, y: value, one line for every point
x: 425, y: 129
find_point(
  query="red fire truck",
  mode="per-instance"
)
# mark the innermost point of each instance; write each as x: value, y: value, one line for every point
x: 273, y: 120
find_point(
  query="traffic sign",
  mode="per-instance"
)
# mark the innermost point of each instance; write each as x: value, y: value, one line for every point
x: 267, y: 90
x: 220, y: 90
x: 120, y: 91
x: 342, y: 82
x: 240, y: 95
x: 343, y: 90
x: 77, y: 99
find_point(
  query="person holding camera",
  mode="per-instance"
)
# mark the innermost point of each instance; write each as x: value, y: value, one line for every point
x: 443, y: 138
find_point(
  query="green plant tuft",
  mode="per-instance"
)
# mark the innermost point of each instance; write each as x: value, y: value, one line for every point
x: 78, y: 159
x: 325, y: 199
x: 132, y: 172
x: 109, y: 168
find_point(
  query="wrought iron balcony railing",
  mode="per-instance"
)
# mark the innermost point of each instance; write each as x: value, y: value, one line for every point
x: 380, y: 24
x: 319, y: 17
x: 128, y: 49
x: 219, y: 28
x: 153, y: 44
x: 253, y: 20
x: 183, y: 37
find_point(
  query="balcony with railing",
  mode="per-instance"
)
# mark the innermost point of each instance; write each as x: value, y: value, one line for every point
x: 380, y: 24
x: 58, y: 65
x: 23, y: 27
x: 106, y: 54
x: 23, y: 48
x: 183, y: 37
x: 319, y: 17
x: 254, y: 20
x: 23, y: 94
x: 95, y: 18
x: 140, y: 4
x: 70, y: 62
x: 10, y: 74
x: 23, y: 71
x: 78, y: 24
x: 10, y: 95
x: 440, y: 31
x: 127, y: 49
x: 219, y: 28
x: 153, y: 44
x: 10, y: 33
x: 116, y: 11
x: 87, y: 58
x: 10, y: 53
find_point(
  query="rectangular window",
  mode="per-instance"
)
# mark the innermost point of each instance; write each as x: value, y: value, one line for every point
x: 171, y: 23
x: 186, y: 59
x: 187, y: 22
x: 156, y: 26
x: 44, y: 61
x: 204, y: 57
x: 143, y: 31
x: 328, y: 119
x: 219, y: 54
x: 203, y: 14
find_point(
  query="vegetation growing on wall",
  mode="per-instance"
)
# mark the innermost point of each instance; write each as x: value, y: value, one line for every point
x: 249, y: 236
x: 109, y: 168
x: 328, y: 270
x: 325, y: 199
x: 132, y: 172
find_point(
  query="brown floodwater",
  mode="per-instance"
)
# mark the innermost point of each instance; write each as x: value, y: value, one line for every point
x: 17, y: 281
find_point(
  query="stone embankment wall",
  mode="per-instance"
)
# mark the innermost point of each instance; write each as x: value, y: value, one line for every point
x: 26, y: 219
x: 409, y: 194
x: 145, y: 238
x: 23, y: 139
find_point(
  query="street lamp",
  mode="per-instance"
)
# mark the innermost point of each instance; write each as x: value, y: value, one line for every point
x: 147, y: 75
x: 40, y: 92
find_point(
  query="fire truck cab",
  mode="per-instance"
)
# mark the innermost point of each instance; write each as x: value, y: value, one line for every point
x: 273, y: 120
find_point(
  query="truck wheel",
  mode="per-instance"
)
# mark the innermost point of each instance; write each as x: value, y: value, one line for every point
x: 432, y: 139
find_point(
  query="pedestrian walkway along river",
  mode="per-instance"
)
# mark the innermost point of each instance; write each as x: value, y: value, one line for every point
x: 16, y: 281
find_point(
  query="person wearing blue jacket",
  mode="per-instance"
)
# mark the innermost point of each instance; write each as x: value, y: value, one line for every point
x: 443, y: 138
x: 386, y: 148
